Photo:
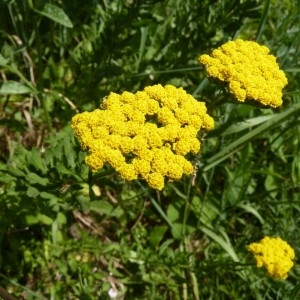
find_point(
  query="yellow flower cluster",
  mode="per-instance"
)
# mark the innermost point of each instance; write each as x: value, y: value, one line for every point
x: 144, y: 135
x: 249, y: 70
x: 275, y: 255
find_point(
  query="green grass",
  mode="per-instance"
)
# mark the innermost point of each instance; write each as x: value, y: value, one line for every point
x: 69, y: 234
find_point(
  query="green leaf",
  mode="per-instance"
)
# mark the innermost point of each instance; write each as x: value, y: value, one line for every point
x: 173, y: 211
x: 84, y: 202
x: 31, y: 219
x: 32, y: 192
x: 13, y: 88
x: 62, y: 170
x: 292, y: 70
x: 34, y: 178
x: 61, y: 218
x: 52, y: 201
x: 271, y: 184
x: 102, y: 207
x: 69, y: 152
x: 224, y: 244
x: 46, y: 195
x: 3, y: 60
x: 178, y: 228
x: 45, y: 219
x: 246, y: 125
x: 34, y: 159
x: 55, y: 14
x: 156, y: 235
x: 248, y: 208
x: 16, y: 172
x: 144, y: 34
x: 263, y: 20
x: 295, y: 292
x: 56, y: 233
x: 236, y: 145
x: 205, y: 211
x: 166, y: 245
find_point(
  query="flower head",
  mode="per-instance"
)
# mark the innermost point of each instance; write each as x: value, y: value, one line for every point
x: 144, y: 135
x: 250, y: 71
x: 275, y: 255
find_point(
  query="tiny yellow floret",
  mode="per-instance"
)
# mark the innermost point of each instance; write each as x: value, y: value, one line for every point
x: 144, y: 135
x: 275, y: 255
x: 249, y: 70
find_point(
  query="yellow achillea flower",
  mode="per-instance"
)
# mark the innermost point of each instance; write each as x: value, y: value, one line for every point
x: 275, y: 255
x: 251, y: 73
x: 144, y: 135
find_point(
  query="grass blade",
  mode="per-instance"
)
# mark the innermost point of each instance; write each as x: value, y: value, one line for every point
x: 235, y: 146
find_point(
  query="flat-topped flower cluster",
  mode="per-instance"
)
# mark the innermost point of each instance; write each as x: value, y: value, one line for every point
x: 144, y: 135
x: 275, y: 255
x: 149, y: 135
x: 250, y: 71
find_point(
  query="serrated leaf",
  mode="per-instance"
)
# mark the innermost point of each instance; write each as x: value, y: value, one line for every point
x: 11, y: 87
x: 55, y: 14
x: 16, y: 172
x: 69, y: 152
x: 34, y: 159
x: 34, y: 178
x: 63, y: 170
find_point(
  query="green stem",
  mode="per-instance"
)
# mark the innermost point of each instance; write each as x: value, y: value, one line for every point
x: 187, y: 209
x: 184, y: 284
x: 195, y: 285
x: 157, y: 207
x: 186, y: 240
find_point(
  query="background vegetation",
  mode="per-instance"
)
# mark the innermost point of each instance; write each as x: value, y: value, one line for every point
x: 66, y: 234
